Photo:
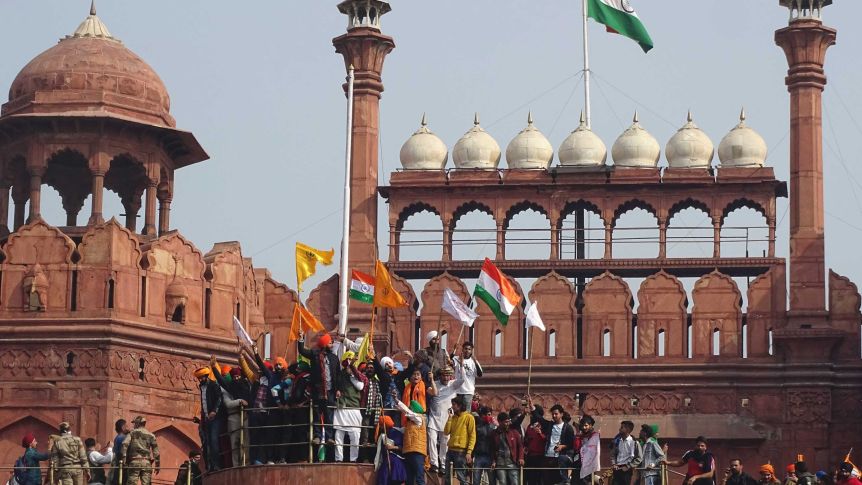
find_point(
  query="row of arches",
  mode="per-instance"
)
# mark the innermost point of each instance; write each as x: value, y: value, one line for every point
x: 635, y: 232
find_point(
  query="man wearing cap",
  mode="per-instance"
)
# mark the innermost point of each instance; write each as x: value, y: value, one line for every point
x: 324, y: 370
x: 234, y: 400
x: 140, y: 453
x: 652, y: 455
x: 432, y: 357
x: 845, y: 475
x: 347, y: 418
x: 767, y: 475
x: 210, y: 424
x: 32, y: 457
x: 68, y: 457
x: 439, y: 404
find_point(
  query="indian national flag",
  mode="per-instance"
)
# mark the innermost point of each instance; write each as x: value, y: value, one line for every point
x: 362, y: 287
x: 496, y: 291
x: 619, y: 17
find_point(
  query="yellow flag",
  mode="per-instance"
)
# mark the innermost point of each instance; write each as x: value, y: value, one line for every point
x: 302, y: 321
x: 362, y: 355
x: 385, y: 296
x: 306, y: 261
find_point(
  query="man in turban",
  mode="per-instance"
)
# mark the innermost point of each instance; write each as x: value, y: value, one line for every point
x: 325, y: 367
x: 767, y: 475
x: 433, y: 357
x: 845, y: 475
x: 347, y: 418
x: 210, y: 422
x: 32, y: 457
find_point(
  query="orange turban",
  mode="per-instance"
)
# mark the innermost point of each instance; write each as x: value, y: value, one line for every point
x: 387, y: 421
x: 280, y: 361
x: 791, y: 468
x: 324, y: 340
x: 225, y: 369
x: 767, y: 469
x: 203, y: 372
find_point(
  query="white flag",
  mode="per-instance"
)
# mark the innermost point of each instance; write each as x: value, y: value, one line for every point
x: 533, y: 317
x: 458, y: 309
x: 241, y: 334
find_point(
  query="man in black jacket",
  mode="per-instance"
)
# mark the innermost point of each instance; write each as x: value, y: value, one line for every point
x: 211, y: 414
x: 190, y: 466
x: 325, y: 368
x: 559, y: 443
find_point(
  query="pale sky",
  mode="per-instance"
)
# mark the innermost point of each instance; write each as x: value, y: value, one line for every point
x: 259, y: 84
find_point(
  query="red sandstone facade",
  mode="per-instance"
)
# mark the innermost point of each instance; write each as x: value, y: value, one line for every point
x: 101, y: 322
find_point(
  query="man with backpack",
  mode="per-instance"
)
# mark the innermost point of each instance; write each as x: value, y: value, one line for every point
x: 27, y: 471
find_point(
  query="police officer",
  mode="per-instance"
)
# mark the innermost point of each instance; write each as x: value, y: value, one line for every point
x: 140, y: 454
x: 68, y: 457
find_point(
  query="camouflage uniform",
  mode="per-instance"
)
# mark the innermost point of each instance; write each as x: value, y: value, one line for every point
x: 140, y: 453
x: 69, y: 459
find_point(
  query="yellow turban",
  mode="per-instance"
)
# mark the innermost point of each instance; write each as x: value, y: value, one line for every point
x: 203, y: 372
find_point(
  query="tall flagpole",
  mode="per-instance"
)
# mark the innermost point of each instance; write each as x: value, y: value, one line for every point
x: 586, y: 69
x: 345, y: 278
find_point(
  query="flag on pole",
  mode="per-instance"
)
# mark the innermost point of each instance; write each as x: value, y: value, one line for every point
x: 856, y: 472
x: 362, y: 353
x: 458, y: 309
x: 533, y: 317
x: 306, y: 261
x: 241, y: 334
x: 302, y: 321
x: 620, y: 18
x: 385, y: 295
x: 495, y: 290
x: 362, y: 287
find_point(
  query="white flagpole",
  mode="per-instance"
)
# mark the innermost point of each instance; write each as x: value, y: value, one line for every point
x: 345, y: 277
x: 587, y: 116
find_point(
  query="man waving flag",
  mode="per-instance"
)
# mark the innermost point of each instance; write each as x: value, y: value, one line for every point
x: 619, y: 17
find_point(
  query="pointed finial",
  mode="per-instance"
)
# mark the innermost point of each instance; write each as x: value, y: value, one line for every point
x: 476, y: 118
x: 424, y: 121
x: 742, y: 114
x: 583, y: 117
x: 689, y: 118
x: 530, y: 117
x: 350, y: 67
x: 636, y: 118
x: 93, y: 7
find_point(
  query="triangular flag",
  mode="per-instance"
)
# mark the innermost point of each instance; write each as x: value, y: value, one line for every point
x: 362, y: 353
x: 458, y: 309
x: 385, y: 295
x: 241, y: 334
x: 533, y: 317
x: 306, y: 261
x: 302, y: 321
x: 495, y: 290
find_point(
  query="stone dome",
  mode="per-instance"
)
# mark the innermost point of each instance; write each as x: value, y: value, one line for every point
x: 582, y: 148
x: 424, y: 150
x: 476, y: 149
x: 636, y: 148
x: 742, y: 147
x: 90, y: 71
x: 529, y: 149
x: 689, y: 147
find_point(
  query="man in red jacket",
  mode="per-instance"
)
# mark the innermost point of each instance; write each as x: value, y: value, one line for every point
x: 507, y: 451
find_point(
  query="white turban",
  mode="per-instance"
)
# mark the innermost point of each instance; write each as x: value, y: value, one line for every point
x: 387, y: 361
x: 430, y: 335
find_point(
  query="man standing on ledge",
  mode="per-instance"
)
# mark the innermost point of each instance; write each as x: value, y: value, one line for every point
x: 700, y: 463
x: 461, y: 429
x: 68, y: 457
x: 467, y: 369
x: 141, y: 453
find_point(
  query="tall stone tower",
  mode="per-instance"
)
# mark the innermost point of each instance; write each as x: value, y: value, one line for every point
x: 805, y: 41
x: 365, y: 48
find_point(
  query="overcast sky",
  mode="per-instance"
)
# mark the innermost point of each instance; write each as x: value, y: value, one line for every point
x: 260, y: 86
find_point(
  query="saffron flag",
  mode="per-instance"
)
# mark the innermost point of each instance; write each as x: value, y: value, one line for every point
x: 302, y: 321
x: 385, y: 296
x: 495, y: 290
x: 458, y: 309
x: 533, y: 317
x: 241, y: 334
x: 620, y: 18
x: 362, y: 287
x: 306, y: 261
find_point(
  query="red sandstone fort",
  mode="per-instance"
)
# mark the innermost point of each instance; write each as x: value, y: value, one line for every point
x: 103, y: 319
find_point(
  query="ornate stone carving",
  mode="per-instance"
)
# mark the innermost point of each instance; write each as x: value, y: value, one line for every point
x: 807, y: 406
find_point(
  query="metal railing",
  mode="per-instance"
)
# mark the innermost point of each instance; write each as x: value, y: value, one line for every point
x: 53, y: 471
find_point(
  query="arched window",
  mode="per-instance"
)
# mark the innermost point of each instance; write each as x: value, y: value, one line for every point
x: 498, y: 343
x: 444, y: 340
x: 111, y: 293
x: 660, y: 344
x: 179, y: 314
x: 716, y: 342
x: 606, y: 343
x: 552, y: 343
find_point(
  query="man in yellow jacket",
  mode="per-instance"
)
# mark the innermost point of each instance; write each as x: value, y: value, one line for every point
x: 461, y: 430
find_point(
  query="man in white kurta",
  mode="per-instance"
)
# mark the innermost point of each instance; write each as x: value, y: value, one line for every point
x: 441, y: 393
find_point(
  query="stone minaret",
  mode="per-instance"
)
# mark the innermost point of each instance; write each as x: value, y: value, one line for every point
x: 805, y: 41
x: 364, y: 47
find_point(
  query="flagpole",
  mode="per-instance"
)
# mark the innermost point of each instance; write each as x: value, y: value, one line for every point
x: 530, y: 357
x: 343, y: 303
x: 587, y: 115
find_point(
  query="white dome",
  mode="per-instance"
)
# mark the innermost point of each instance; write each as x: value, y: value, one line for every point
x: 689, y: 147
x: 636, y: 148
x: 742, y: 147
x: 424, y: 150
x: 476, y: 149
x: 529, y: 149
x: 582, y: 148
